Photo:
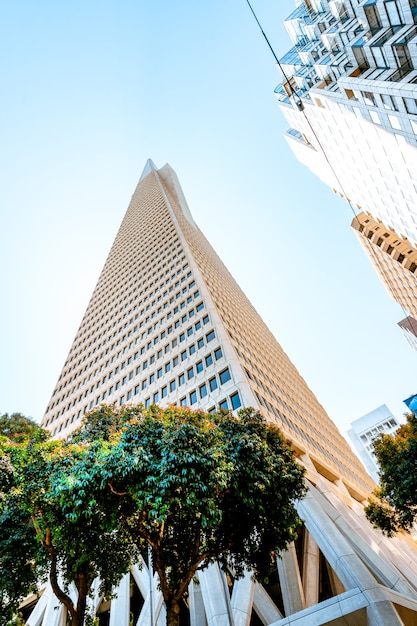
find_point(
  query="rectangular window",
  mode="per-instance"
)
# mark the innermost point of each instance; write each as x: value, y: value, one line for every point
x: 129, y: 395
x: 235, y: 400
x: 199, y: 366
x: 190, y: 331
x: 183, y: 355
x: 199, y: 306
x: 167, y: 367
x: 203, y: 391
x: 151, y: 379
x: 394, y: 13
x: 182, y: 337
x: 224, y: 376
x: 190, y: 373
x: 175, y: 361
x: 218, y: 354
x: 389, y: 102
x: 368, y: 98
x: 137, y: 390
x: 183, y: 401
x: 181, y: 379
x: 156, y: 398
x: 223, y: 405
x: 172, y: 385
x: 206, y: 319
x: 209, y: 360
x: 213, y: 384
x: 147, y: 402
x: 164, y: 391
x: 200, y: 343
x: 410, y: 105
x: 197, y: 325
x: 193, y: 397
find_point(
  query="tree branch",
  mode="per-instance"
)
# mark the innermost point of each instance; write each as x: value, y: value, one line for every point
x: 53, y: 577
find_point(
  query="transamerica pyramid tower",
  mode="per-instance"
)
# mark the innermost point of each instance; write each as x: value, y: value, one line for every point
x: 168, y: 324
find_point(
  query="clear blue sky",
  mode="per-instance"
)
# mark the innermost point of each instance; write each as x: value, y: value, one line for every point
x: 90, y: 91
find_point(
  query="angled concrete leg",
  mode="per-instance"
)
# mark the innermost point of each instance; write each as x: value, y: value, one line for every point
x: 311, y: 564
x: 349, y: 568
x: 53, y: 613
x: 197, y: 612
x: 264, y: 607
x: 215, y: 596
x: 36, y: 617
x: 242, y: 600
x: 120, y: 605
x: 290, y: 581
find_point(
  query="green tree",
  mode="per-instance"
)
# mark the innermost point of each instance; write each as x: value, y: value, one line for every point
x: 41, y: 534
x: 197, y: 488
x: 394, y: 505
x: 17, y: 427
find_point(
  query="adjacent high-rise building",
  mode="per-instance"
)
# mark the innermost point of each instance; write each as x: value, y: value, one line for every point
x: 393, y: 257
x: 349, y: 95
x: 168, y: 324
x: 366, y: 429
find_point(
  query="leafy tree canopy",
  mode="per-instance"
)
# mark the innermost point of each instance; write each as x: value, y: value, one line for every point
x: 43, y: 535
x: 196, y: 487
x: 394, y: 506
x: 17, y: 427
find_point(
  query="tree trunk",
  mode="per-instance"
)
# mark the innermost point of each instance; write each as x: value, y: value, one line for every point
x: 173, y: 613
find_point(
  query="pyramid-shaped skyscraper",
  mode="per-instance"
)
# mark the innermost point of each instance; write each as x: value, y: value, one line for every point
x: 168, y: 324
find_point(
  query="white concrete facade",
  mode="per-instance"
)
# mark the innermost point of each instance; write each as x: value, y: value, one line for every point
x: 366, y: 429
x: 167, y: 324
x: 350, y: 98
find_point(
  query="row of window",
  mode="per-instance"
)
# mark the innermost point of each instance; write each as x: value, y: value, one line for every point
x: 390, y: 102
x: 210, y: 336
x: 119, y: 306
x: 160, y: 337
x: 211, y: 385
x: 232, y: 402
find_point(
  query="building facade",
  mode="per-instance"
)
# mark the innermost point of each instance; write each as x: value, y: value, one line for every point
x: 409, y: 328
x: 393, y: 257
x: 349, y: 95
x: 168, y: 324
x: 366, y: 429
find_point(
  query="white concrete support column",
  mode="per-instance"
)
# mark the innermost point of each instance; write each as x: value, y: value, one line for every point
x: 94, y: 602
x: 242, y: 600
x: 264, y: 607
x: 197, y: 612
x: 120, y: 605
x: 215, y: 596
x: 53, y: 613
x: 290, y: 581
x: 346, y: 564
x: 365, y: 540
x: 36, y: 617
x: 311, y: 573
